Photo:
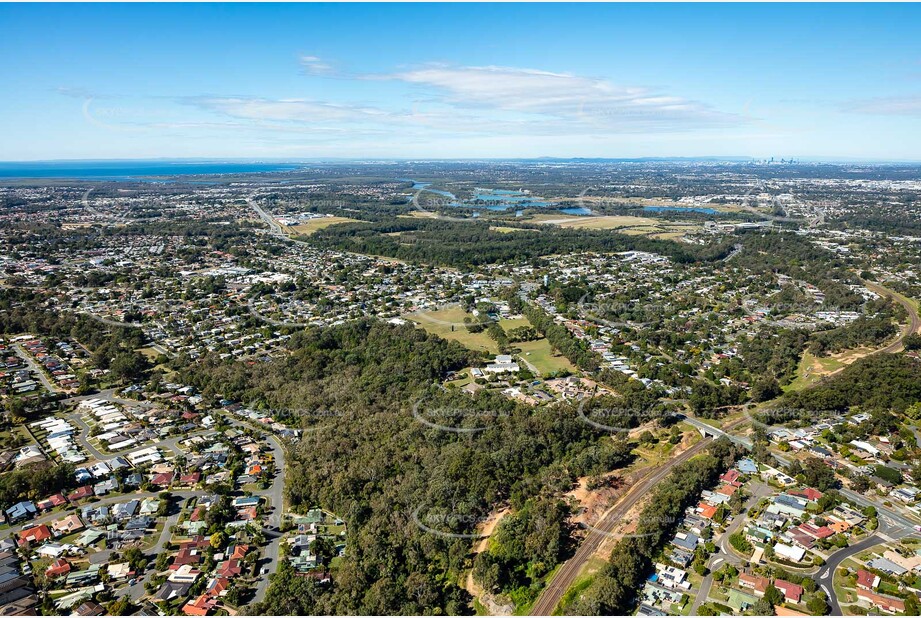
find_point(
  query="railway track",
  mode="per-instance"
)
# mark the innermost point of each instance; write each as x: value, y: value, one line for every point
x: 565, y: 577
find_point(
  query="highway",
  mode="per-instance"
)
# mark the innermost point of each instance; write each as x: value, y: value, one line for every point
x: 914, y: 322
x: 564, y: 578
x: 267, y: 218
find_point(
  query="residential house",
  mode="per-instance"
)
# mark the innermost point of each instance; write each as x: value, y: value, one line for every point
x: 867, y: 580
x: 791, y: 592
x: 20, y: 511
x: 35, y: 534
x: 882, y: 601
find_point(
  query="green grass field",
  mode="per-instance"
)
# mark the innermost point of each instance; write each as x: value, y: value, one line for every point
x: 811, y: 370
x: 449, y: 324
x: 543, y: 357
x: 312, y: 225
x: 509, y: 324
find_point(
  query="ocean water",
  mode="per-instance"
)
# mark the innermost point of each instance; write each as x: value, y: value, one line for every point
x: 126, y: 170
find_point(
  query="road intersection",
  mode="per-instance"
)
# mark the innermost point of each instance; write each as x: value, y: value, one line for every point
x: 274, y: 495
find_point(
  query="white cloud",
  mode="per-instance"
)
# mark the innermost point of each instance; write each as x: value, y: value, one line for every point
x: 312, y: 65
x: 888, y: 106
x: 588, y: 101
x: 288, y: 110
x: 442, y: 103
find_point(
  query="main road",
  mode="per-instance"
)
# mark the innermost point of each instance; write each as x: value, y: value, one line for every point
x: 914, y: 322
x: 275, y: 495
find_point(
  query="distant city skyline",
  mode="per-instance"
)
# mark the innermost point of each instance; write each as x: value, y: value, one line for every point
x: 467, y: 81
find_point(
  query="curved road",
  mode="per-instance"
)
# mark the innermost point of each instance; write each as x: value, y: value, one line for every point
x: 35, y: 368
x: 914, y: 322
x: 725, y: 554
x: 826, y: 574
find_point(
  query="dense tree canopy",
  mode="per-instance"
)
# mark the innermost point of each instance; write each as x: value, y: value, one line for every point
x: 406, y: 487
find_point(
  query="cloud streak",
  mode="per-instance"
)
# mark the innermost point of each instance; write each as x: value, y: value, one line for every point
x: 443, y: 102
x: 571, y: 98
x: 313, y: 65
x: 888, y: 106
x: 288, y: 110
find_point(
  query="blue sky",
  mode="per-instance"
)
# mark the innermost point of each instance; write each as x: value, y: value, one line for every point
x: 458, y: 81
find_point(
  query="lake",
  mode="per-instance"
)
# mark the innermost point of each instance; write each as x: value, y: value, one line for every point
x: 576, y: 210
x: 706, y: 211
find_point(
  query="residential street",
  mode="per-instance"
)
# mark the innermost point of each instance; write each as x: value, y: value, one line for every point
x: 274, y: 494
x: 35, y: 368
x: 724, y: 552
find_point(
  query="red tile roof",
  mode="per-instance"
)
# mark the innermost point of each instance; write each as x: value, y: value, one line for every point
x: 792, y: 592
x: 866, y: 579
x: 707, y: 511
x: 882, y: 600
x: 229, y: 568
x: 217, y: 586
x: 58, y: 567
x: 239, y: 551
x: 199, y: 607
x: 35, y: 534
x: 81, y: 492
x: 163, y: 479
x: 190, y: 479
x: 756, y: 582
x: 809, y: 493
x: 52, y: 501
x: 186, y: 555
